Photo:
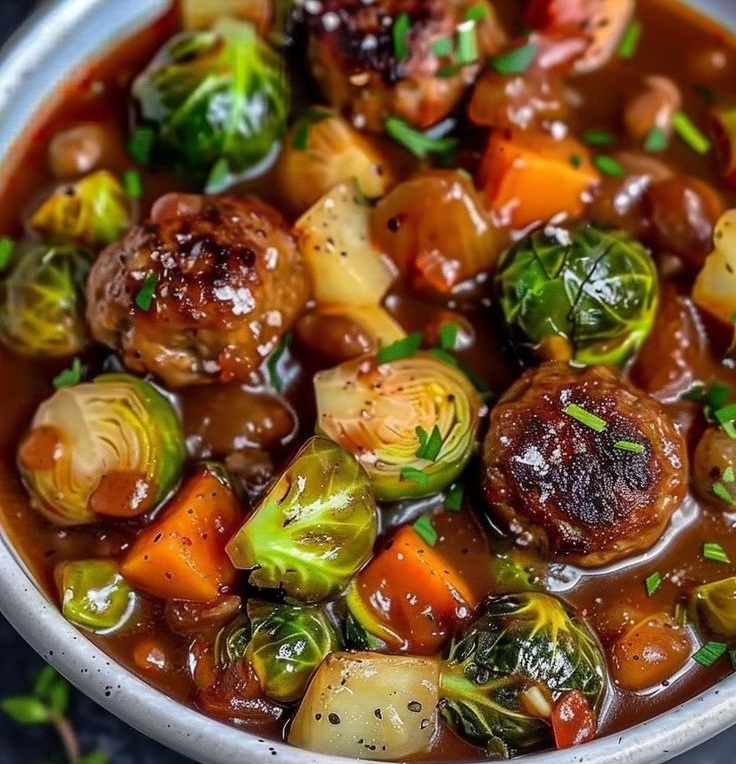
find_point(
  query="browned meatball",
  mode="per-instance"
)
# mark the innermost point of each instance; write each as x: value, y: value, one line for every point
x: 354, y: 58
x: 584, y: 493
x: 201, y: 292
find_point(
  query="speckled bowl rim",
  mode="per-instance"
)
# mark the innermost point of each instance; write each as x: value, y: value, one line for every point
x: 57, y: 38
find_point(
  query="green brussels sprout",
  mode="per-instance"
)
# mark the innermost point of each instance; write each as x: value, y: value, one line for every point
x: 287, y: 646
x: 94, y: 595
x: 217, y: 95
x: 586, y: 294
x: 315, y: 527
x: 42, y: 301
x: 411, y: 422
x: 713, y: 607
x: 93, y: 211
x: 113, y: 446
x: 517, y: 642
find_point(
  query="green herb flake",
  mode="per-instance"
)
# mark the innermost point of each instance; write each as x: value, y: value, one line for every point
x: 443, y: 47
x: 448, y: 335
x: 430, y: 444
x: 400, y: 33
x: 628, y: 445
x: 728, y: 475
x: 454, y: 498
x: 715, y: 552
x: 415, y: 476
x: 144, y: 298
x: 585, y: 417
x: 140, y: 144
x: 608, y: 165
x: 70, y: 376
x: 218, y: 177
x: 514, y: 61
x: 132, y: 184
x: 656, y: 139
x: 272, y: 364
x: 709, y: 653
x: 467, y: 43
x: 476, y: 13
x: 690, y: 133
x: 403, y: 348
x: 680, y: 614
x: 630, y: 41
x: 7, y: 245
x: 599, y: 138
x: 722, y: 493
x: 652, y: 583
x: 418, y: 143
x: 424, y: 528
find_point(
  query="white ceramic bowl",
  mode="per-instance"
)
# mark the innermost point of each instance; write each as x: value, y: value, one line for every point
x: 54, y: 41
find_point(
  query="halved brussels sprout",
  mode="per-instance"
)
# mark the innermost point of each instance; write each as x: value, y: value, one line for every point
x: 42, y: 301
x: 368, y: 705
x: 113, y: 446
x: 713, y: 607
x: 94, y: 595
x: 215, y: 95
x: 410, y: 422
x: 314, y: 529
x: 287, y: 646
x: 586, y: 294
x: 93, y: 211
x: 519, y: 641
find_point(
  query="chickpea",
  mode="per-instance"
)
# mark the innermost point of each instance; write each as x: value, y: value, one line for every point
x: 652, y: 106
x: 714, y: 464
x: 81, y: 149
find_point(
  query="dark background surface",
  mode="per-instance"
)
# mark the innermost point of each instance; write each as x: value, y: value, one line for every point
x: 99, y: 730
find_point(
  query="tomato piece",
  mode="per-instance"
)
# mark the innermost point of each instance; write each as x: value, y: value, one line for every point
x: 573, y: 720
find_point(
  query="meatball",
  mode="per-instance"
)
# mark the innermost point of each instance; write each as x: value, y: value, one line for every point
x: 354, y: 57
x: 582, y: 464
x: 201, y: 292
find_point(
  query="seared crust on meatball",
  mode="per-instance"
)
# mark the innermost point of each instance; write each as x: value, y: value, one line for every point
x: 587, y: 492
x: 354, y: 58
x: 201, y: 292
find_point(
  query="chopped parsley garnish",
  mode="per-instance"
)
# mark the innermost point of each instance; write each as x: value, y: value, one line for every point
x: 424, y: 528
x: 728, y: 475
x: 454, y: 498
x: 403, y: 348
x: 608, y: 165
x: 725, y: 416
x: 709, y: 653
x: 585, y: 417
x: 430, y: 444
x: 443, y: 47
x: 630, y: 41
x: 140, y: 144
x: 629, y: 445
x: 275, y: 358
x: 415, y: 476
x: 656, y: 140
x: 144, y: 298
x: 599, y: 138
x: 70, y: 376
x: 690, y: 133
x: 712, y: 398
x: 300, y: 141
x: 680, y: 614
x: 712, y: 550
x: 652, y: 583
x: 400, y: 32
x: 418, y: 143
x: 7, y: 245
x: 133, y: 184
x: 722, y: 493
x: 514, y: 61
x: 467, y: 43
x: 448, y: 335
x: 476, y: 13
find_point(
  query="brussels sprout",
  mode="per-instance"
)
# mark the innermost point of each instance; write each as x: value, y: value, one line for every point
x: 411, y: 422
x: 219, y: 95
x: 713, y: 607
x: 517, y: 642
x: 42, y: 301
x: 93, y: 211
x: 94, y: 595
x: 113, y: 446
x: 314, y: 529
x: 586, y: 294
x: 287, y: 645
